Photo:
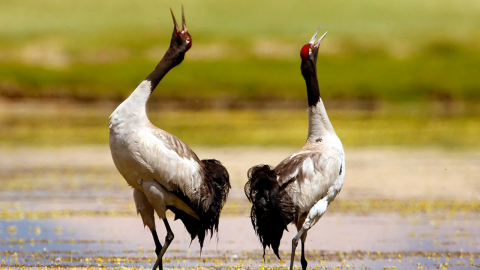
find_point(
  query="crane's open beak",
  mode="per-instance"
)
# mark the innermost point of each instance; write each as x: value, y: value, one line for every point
x: 312, y: 41
x: 319, y: 40
x: 184, y: 24
x: 175, y: 24
x: 184, y: 32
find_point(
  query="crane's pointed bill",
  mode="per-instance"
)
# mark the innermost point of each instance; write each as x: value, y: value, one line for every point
x: 174, y: 22
x: 184, y: 24
x: 319, y: 40
x: 315, y: 36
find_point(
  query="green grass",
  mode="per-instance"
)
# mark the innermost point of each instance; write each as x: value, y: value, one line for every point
x: 388, y: 51
x: 422, y: 78
x: 383, y: 55
x: 77, y: 126
x: 131, y: 22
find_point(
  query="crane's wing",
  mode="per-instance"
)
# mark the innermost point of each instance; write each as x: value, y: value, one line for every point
x: 313, y: 171
x: 170, y: 161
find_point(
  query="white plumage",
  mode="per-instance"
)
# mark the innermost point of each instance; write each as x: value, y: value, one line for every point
x: 299, y: 189
x: 164, y: 172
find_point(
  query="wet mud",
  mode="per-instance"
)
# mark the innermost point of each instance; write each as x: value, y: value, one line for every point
x: 78, y: 213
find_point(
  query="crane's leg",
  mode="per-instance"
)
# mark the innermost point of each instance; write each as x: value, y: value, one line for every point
x: 168, y: 240
x: 158, y: 246
x: 303, y: 260
x: 295, y: 244
x: 315, y: 213
x: 145, y: 209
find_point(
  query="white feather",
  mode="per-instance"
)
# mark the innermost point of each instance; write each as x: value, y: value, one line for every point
x: 313, y: 173
x: 144, y: 153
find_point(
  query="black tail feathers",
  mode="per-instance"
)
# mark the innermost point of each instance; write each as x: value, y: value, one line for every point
x: 214, y: 193
x: 194, y: 226
x: 272, y: 209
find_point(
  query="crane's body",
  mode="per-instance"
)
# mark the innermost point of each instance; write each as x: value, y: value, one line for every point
x: 144, y: 153
x: 312, y: 177
x: 164, y: 172
x: 300, y: 188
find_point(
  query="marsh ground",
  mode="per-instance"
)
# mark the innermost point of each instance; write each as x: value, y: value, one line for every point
x: 68, y: 207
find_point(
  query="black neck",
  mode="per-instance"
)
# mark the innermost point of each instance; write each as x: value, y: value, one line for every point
x: 309, y: 73
x: 169, y: 61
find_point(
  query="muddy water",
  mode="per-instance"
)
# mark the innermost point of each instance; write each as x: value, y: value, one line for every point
x: 77, y: 212
x: 371, y: 241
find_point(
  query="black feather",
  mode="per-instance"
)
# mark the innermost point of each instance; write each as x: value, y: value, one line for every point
x: 272, y: 208
x: 213, y: 195
x: 194, y: 226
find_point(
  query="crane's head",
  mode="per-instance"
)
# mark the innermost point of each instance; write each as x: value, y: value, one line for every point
x: 309, y: 51
x: 181, y: 39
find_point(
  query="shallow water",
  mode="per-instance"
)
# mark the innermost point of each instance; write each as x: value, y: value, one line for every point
x: 77, y: 212
x: 357, y: 241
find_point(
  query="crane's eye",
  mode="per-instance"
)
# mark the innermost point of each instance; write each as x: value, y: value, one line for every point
x: 306, y: 51
x: 188, y: 38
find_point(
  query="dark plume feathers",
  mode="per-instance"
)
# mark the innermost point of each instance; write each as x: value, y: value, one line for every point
x: 214, y: 192
x: 272, y: 208
x: 194, y: 226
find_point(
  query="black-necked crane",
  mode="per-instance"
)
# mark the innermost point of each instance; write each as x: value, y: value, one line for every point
x: 164, y: 172
x: 300, y: 188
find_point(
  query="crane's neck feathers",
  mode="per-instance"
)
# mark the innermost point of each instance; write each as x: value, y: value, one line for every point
x: 171, y: 59
x: 309, y: 72
x: 135, y: 105
x: 318, y: 122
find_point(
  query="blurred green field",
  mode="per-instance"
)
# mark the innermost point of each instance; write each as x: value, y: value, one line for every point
x: 403, y: 73
x: 70, y: 125
x: 375, y: 50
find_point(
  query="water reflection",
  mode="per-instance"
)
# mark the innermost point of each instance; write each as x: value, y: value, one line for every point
x: 373, y: 241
